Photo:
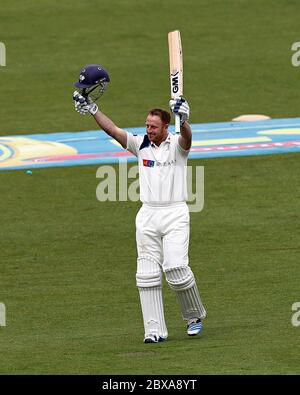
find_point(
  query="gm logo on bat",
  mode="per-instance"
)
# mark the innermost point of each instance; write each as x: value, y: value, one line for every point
x: 175, y: 82
x: 2, y: 54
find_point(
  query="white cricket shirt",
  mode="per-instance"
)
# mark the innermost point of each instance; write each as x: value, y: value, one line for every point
x: 162, y: 170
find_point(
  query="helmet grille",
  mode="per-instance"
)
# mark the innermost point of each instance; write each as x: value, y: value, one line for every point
x: 95, y: 91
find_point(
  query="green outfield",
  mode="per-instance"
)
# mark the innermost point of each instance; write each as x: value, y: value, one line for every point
x: 68, y: 261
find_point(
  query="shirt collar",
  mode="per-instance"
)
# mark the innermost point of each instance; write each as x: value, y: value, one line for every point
x: 167, y: 140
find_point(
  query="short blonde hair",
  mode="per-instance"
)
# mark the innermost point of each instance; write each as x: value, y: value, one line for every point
x: 164, y: 115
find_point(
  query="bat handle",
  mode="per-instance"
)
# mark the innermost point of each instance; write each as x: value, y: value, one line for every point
x: 177, y: 124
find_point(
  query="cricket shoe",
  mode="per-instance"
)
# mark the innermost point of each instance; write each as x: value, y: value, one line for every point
x: 194, y: 326
x: 153, y: 338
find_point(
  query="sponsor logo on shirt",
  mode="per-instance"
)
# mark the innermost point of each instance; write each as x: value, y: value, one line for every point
x: 148, y: 163
x: 167, y: 163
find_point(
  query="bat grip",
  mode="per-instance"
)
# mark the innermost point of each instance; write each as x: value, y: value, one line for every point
x: 177, y: 124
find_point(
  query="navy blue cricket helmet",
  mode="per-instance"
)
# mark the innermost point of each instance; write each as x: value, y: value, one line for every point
x: 92, y: 74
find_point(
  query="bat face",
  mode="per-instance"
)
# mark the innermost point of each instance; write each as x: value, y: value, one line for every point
x: 176, y: 64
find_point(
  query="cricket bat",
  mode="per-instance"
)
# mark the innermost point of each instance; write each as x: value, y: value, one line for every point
x: 176, y: 69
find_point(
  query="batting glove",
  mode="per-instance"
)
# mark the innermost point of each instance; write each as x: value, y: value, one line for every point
x: 84, y: 105
x: 180, y: 107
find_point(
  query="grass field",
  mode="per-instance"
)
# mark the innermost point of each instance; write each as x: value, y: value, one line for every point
x: 67, y: 273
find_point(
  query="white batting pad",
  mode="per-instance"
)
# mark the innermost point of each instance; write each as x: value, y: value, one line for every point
x: 148, y: 279
x: 148, y: 273
x: 182, y: 281
x: 153, y: 311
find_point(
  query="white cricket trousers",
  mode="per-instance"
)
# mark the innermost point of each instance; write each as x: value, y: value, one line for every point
x: 162, y: 237
x: 162, y: 234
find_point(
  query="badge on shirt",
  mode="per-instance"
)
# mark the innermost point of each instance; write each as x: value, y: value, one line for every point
x: 148, y: 163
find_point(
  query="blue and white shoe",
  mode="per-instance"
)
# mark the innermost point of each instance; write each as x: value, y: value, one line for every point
x: 153, y: 338
x: 194, y: 326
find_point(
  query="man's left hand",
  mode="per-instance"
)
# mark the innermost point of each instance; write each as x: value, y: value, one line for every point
x: 180, y: 107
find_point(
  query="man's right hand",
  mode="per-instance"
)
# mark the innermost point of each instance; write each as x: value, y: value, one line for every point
x: 84, y: 105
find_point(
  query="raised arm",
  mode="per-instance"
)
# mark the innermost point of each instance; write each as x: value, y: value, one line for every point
x: 180, y: 107
x: 84, y: 106
x: 110, y: 128
x: 185, y: 138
